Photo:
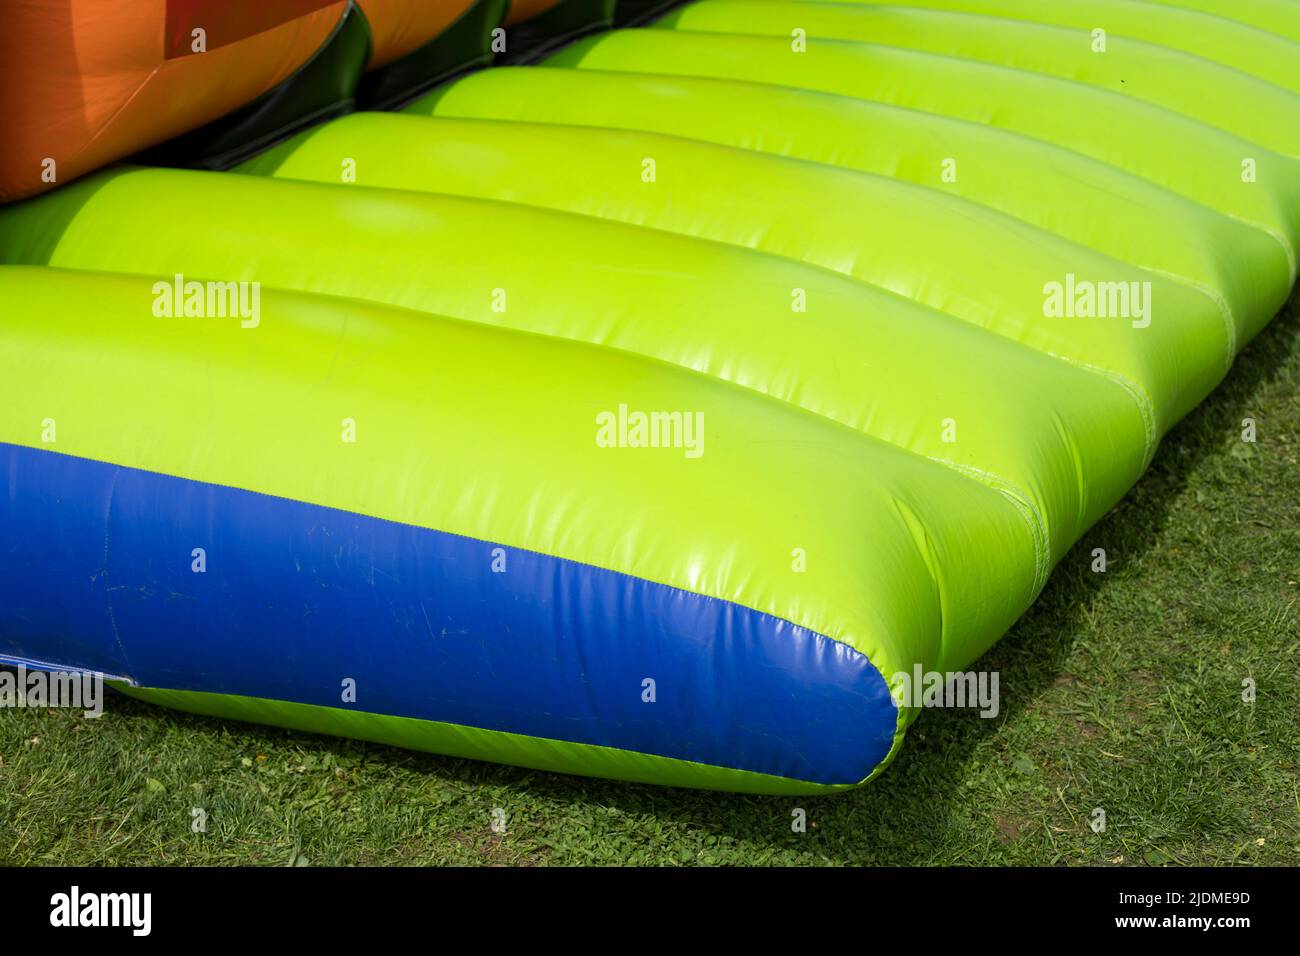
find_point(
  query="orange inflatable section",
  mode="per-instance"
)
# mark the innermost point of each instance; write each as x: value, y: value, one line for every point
x: 87, y: 82
x: 521, y: 10
x: 399, y: 27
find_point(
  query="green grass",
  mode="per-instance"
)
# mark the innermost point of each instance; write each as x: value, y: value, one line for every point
x: 1119, y: 690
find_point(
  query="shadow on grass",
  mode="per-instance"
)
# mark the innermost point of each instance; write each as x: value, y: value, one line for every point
x: 905, y: 817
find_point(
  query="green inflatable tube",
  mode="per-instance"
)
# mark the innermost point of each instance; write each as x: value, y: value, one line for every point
x: 935, y: 279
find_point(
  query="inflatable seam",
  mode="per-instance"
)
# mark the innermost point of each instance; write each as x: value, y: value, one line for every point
x: 1220, y: 301
x: 996, y: 132
x: 1222, y: 15
x: 1288, y: 247
x: 1039, y: 76
x: 1221, y: 304
x: 1146, y: 408
x: 1032, y: 514
x: 1013, y: 493
x: 879, y: 100
x: 1154, y: 9
x: 1019, y: 498
x: 1058, y: 28
x: 995, y: 217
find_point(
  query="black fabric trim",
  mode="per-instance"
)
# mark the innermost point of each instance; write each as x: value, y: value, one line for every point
x: 462, y: 47
x: 635, y: 13
x: 571, y: 20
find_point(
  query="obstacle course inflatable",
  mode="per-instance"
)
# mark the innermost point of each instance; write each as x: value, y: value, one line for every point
x: 653, y: 405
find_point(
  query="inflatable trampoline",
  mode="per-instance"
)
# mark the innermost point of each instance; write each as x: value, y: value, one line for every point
x: 638, y: 390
